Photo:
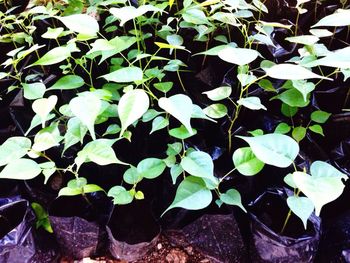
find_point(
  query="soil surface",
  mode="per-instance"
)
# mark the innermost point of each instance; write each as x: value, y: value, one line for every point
x: 164, y: 252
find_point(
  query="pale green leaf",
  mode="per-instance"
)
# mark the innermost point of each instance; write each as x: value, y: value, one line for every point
x: 246, y: 162
x: 340, y: 18
x: 323, y: 186
x: 252, y: 103
x: 274, y: 149
x: 216, y: 110
x: 131, y: 107
x: 180, y: 107
x: 43, y: 107
x: 219, y: 93
x: 33, y: 91
x: 20, y: 169
x: 80, y: 23
x: 14, y: 148
x: 291, y: 72
x: 86, y: 108
x: 151, y: 168
x: 301, y: 207
x: 125, y: 75
x: 238, y: 56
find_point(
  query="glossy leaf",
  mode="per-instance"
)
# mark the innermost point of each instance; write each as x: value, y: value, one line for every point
x: 301, y: 207
x: 33, y: 91
x: 238, y: 56
x: 191, y: 194
x: 291, y: 72
x: 274, y: 149
x: 232, y: 197
x: 151, y: 168
x: 216, y: 111
x: 14, y: 148
x: 43, y: 107
x: 67, y: 82
x: 120, y: 195
x: 125, y: 75
x: 132, y: 105
x: 20, y: 169
x: 54, y: 56
x: 252, y: 103
x: 340, y: 18
x: 324, y: 185
x: 80, y: 23
x: 180, y: 107
x: 246, y: 162
x: 86, y: 108
x: 219, y: 93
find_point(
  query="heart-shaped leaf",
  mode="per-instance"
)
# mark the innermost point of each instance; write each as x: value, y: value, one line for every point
x: 238, y: 56
x: 324, y: 185
x: 291, y: 72
x: 132, y: 105
x: 180, y: 107
x: 274, y: 149
x: 192, y: 194
x: 42, y: 107
x: 14, y: 148
x: 246, y: 162
x: 301, y: 206
x: 86, y: 108
x: 80, y: 23
x: 232, y: 197
x: 20, y: 169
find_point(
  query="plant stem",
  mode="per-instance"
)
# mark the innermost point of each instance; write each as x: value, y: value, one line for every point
x: 286, y: 221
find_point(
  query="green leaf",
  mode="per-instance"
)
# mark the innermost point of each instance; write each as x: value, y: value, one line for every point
x: 274, y: 149
x: 323, y: 186
x: 120, y: 195
x: 127, y: 13
x: 3, y: 75
x: 86, y: 108
x: 252, y: 103
x: 14, y: 148
x: 131, y: 176
x: 238, y: 56
x: 266, y: 85
x: 288, y: 111
x: 67, y: 82
x: 150, y: 115
x: 75, y: 133
x: 53, y: 33
x: 164, y: 86
x: 33, y: 91
x: 216, y: 111
x: 47, y: 138
x: 175, y: 171
x: 181, y: 133
x: 195, y: 16
x: 151, y: 168
x: 48, y: 169
x: 246, y: 162
x: 42, y: 217
x: 159, y: 123
x: 199, y: 164
x: 316, y: 129
x: 112, y: 129
x: 54, y: 56
x: 304, y: 87
x: 100, y: 152
x: 219, y: 93
x: 304, y: 40
x: 91, y: 188
x: 67, y: 191
x: 340, y: 18
x: 180, y: 107
x: 299, y: 133
x: 339, y: 58
x: 232, y: 197
x: 191, y: 194
x: 293, y: 98
x: 301, y: 207
x: 124, y: 75
x: 282, y: 128
x: 43, y: 107
x: 288, y: 179
x: 20, y: 169
x: 174, y: 148
x: 80, y: 23
x: 132, y: 105
x: 291, y: 72
x: 320, y: 116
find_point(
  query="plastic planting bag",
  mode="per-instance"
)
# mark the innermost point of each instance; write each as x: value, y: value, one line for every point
x: 16, y: 231
x: 269, y: 211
